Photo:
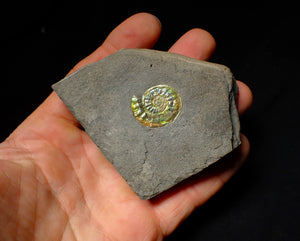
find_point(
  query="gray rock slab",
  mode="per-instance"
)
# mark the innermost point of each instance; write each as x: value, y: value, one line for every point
x: 153, y: 160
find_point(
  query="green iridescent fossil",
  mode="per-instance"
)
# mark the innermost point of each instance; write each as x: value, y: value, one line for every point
x: 159, y: 105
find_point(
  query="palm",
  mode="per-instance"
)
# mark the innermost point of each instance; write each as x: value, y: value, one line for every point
x: 56, y: 184
x: 64, y: 173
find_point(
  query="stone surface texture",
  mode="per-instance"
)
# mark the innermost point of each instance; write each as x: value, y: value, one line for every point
x: 152, y: 160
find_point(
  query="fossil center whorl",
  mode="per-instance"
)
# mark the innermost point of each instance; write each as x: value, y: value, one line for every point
x: 159, y: 105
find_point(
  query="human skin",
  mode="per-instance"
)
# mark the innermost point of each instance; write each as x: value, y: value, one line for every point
x: 55, y: 184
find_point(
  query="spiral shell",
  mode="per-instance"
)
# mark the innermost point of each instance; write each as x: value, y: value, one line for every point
x: 159, y: 105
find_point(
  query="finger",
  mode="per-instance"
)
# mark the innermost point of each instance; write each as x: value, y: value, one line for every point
x: 138, y: 31
x: 196, y: 43
x: 245, y: 97
x: 175, y: 205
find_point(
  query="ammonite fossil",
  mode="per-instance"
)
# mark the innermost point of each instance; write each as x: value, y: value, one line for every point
x: 159, y: 105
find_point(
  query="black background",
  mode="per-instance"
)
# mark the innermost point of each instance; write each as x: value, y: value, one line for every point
x: 40, y: 42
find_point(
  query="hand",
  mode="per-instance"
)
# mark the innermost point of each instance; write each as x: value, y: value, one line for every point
x: 55, y: 184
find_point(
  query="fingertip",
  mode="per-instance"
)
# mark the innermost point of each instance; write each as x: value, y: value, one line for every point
x: 141, y: 30
x: 196, y: 43
x: 245, y: 98
x: 244, y: 147
x: 151, y: 20
x: 209, y: 41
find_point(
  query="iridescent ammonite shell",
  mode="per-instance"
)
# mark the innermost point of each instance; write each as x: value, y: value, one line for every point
x: 159, y: 105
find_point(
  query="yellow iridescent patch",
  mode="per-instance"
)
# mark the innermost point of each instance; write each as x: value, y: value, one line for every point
x: 159, y: 105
